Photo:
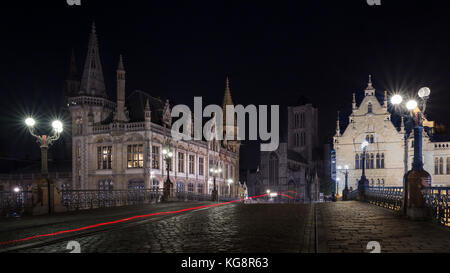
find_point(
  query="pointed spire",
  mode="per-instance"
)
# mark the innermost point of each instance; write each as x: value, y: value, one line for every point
x: 227, y: 95
x: 147, y: 105
x: 120, y: 65
x: 93, y: 27
x: 92, y: 82
x: 370, y: 91
x: 354, y: 102
x: 402, y: 126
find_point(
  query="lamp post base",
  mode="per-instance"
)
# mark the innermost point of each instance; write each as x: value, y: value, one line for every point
x: 363, y: 185
x: 214, y: 195
x: 345, y: 195
x: 167, y: 191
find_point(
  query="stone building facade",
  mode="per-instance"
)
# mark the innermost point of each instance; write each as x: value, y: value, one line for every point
x: 386, y: 157
x: 118, y: 145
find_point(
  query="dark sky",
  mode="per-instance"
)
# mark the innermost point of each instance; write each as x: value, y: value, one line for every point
x: 273, y: 52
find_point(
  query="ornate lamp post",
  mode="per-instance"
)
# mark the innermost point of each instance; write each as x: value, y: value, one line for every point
x: 417, y: 179
x: 345, y: 191
x: 363, y: 183
x: 167, y: 154
x: 44, y: 142
x: 216, y: 170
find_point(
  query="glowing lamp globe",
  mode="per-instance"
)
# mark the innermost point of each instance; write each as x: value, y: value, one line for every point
x: 424, y: 92
x: 57, y: 125
x: 411, y: 105
x: 396, y: 99
x: 30, y: 122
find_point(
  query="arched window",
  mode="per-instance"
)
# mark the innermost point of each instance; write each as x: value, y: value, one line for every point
x: 273, y: 169
x: 441, y: 166
x: 369, y: 107
x: 356, y: 161
x: 180, y: 187
x: 378, y: 182
x: 378, y: 161
x: 372, y: 182
x: 382, y: 161
x: 371, y: 161
x: 382, y: 182
x: 448, y: 165
x: 436, y: 165
x: 361, y: 161
x: 371, y: 139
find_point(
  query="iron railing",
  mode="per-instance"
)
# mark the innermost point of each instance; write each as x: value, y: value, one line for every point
x: 91, y: 199
x: 15, y: 203
x: 437, y: 200
x: 387, y: 197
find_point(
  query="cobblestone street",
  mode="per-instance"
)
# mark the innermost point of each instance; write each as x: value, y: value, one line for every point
x: 228, y: 228
x: 236, y: 228
x: 349, y: 226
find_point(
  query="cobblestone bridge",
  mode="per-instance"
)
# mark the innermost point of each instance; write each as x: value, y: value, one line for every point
x: 324, y: 227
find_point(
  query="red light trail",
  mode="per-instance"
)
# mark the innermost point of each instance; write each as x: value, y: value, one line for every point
x: 128, y: 219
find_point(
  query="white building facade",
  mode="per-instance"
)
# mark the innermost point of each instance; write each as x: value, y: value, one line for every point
x: 386, y: 156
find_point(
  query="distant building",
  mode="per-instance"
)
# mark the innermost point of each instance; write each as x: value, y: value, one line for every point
x: 294, y: 165
x: 386, y: 159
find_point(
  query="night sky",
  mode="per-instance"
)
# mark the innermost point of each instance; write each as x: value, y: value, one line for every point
x: 273, y: 53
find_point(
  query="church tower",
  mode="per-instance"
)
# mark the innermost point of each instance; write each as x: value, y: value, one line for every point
x: 120, y: 114
x: 88, y: 106
x: 233, y: 145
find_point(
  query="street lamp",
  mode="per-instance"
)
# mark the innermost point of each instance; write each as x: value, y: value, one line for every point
x: 44, y: 142
x: 417, y: 179
x: 345, y: 172
x: 215, y: 171
x: 363, y: 183
x: 167, y: 154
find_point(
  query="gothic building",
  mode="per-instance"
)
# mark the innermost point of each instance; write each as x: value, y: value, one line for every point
x: 388, y: 154
x: 293, y: 166
x: 118, y: 145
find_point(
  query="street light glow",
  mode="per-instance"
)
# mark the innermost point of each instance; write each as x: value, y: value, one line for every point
x: 424, y: 92
x: 396, y: 99
x: 16, y: 189
x: 346, y: 167
x: 230, y: 180
x: 339, y: 167
x: 30, y: 122
x: 58, y: 126
x: 411, y: 105
x: 169, y: 154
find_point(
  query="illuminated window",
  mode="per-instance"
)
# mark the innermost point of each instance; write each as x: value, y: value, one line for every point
x: 441, y: 166
x: 104, y: 157
x: 135, y: 156
x: 105, y: 185
x: 155, y: 157
x: 436, y: 165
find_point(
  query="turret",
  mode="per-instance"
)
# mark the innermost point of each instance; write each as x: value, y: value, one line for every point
x: 120, y: 115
